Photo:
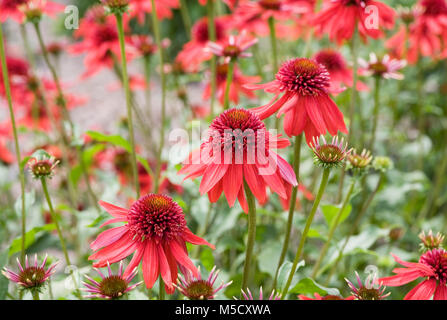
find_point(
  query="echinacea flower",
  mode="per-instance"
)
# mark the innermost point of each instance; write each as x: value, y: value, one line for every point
x: 304, y: 85
x: 254, y: 15
x: 111, y: 286
x: 326, y: 297
x: 386, y: 67
x: 139, y: 8
x: 430, y: 241
x: 340, y: 18
x: 99, y: 40
x: 196, y: 288
x: 339, y: 72
x: 371, y: 290
x: 31, y: 277
x: 234, y: 47
x: 382, y: 164
x: 239, y: 148
x: 360, y: 160
x: 195, y: 51
x: 247, y: 295
x: 331, y: 154
x: 237, y: 85
x: 432, y: 267
x: 33, y: 10
x: 42, y: 165
x: 10, y: 9
x: 156, y: 234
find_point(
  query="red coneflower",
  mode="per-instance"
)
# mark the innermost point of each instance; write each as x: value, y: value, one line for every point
x: 339, y: 18
x: 305, y: 102
x: 426, y: 35
x: 196, y: 288
x: 156, y: 234
x: 239, y: 148
x: 112, y: 286
x: 339, y: 72
x: 194, y: 52
x: 254, y: 15
x: 100, y: 41
x: 139, y: 8
x: 237, y: 86
x: 10, y: 9
x: 234, y: 46
x: 432, y: 266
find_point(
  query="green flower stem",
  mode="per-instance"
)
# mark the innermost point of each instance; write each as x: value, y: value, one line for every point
x: 258, y: 60
x: 35, y: 294
x: 7, y: 86
x: 354, y: 43
x: 228, y: 83
x: 273, y: 42
x: 296, y: 169
x: 332, y: 228
x: 161, y: 289
x: 375, y: 113
x: 55, y: 220
x: 63, y: 102
x: 355, y: 225
x: 26, y: 45
x: 185, y: 16
x: 213, y: 62
x: 119, y: 22
x: 91, y: 193
x: 310, y: 218
x: 430, y: 202
x: 156, y: 27
x: 202, y: 230
x: 251, y: 236
x: 147, y: 77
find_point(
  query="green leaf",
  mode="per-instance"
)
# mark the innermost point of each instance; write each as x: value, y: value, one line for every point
x: 207, y: 258
x: 309, y: 286
x: 118, y: 141
x: 16, y: 245
x: 331, y: 211
x: 284, y: 272
x: 30, y: 198
x: 4, y: 282
x: 269, y: 256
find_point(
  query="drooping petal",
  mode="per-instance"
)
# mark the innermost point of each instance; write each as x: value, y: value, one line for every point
x: 136, y: 259
x: 165, y: 270
x: 423, y: 291
x: 150, y: 264
x: 212, y: 175
x: 182, y: 257
x: 441, y: 292
x: 190, y: 237
x: 232, y: 182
